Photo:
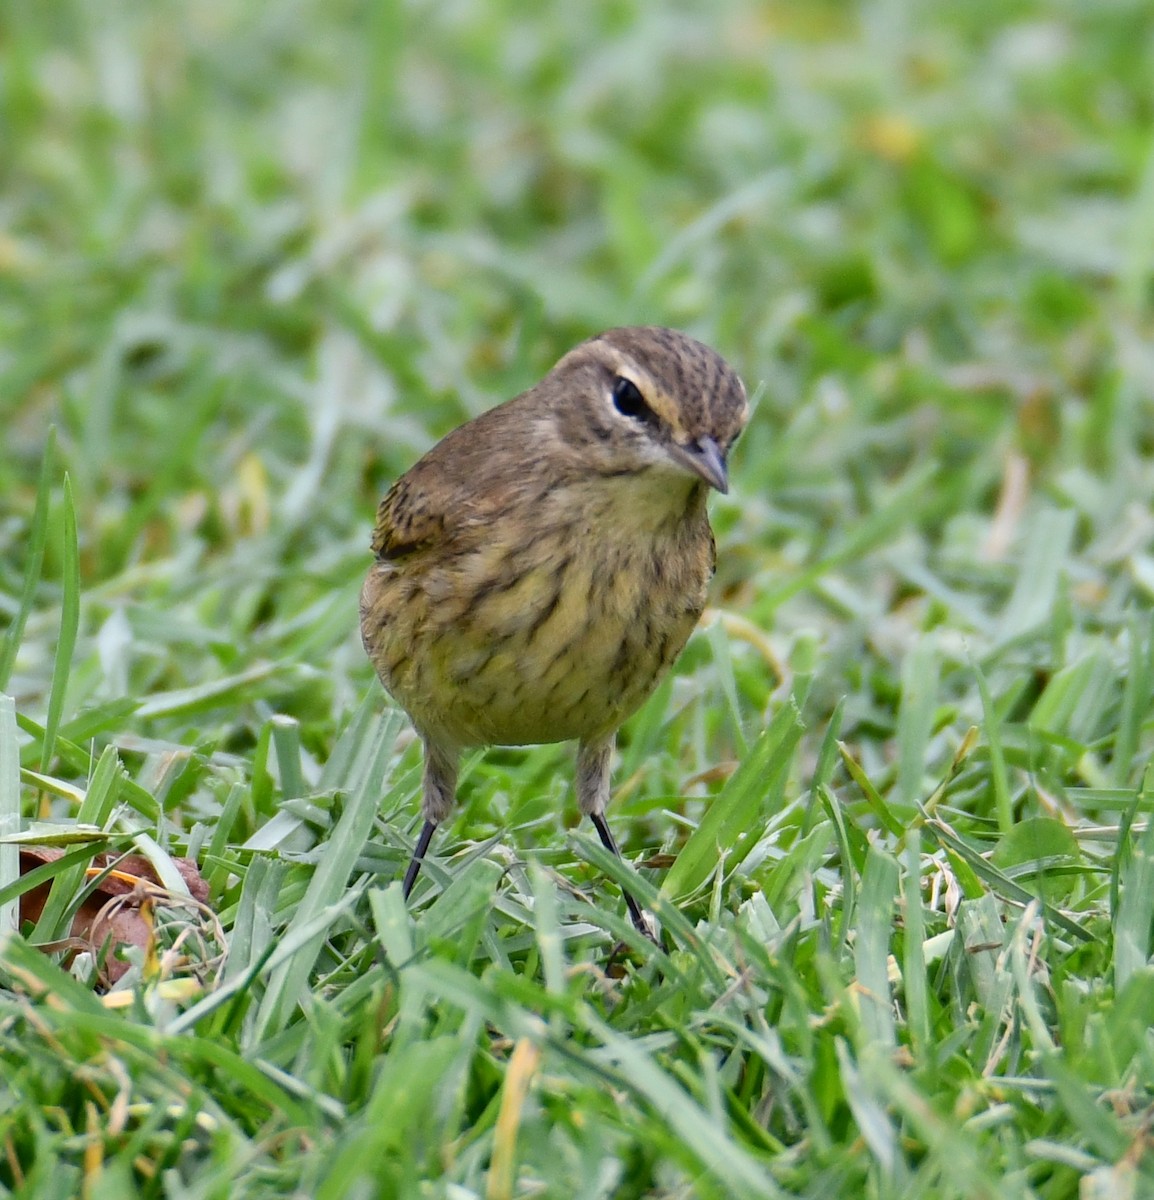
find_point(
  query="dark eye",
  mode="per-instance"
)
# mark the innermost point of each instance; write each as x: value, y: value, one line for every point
x: 628, y: 400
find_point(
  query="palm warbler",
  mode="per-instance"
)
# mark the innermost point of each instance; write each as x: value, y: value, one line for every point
x: 542, y: 566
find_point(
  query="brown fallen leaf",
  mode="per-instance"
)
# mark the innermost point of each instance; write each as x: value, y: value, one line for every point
x: 121, y: 910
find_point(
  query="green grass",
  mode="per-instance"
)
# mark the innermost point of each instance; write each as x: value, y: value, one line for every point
x: 254, y: 258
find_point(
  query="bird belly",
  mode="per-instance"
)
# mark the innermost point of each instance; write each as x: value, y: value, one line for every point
x: 553, y: 646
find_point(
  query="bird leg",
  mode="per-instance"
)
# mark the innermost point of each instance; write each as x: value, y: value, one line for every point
x: 592, y: 797
x: 639, y: 919
x: 423, y: 841
x: 439, y: 791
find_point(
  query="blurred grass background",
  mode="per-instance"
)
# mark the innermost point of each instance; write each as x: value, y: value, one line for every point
x: 254, y: 259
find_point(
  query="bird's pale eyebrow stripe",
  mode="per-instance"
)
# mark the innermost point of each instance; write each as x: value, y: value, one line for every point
x: 653, y: 392
x: 640, y: 380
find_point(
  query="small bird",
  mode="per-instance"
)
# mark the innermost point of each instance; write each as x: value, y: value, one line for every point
x: 541, y: 567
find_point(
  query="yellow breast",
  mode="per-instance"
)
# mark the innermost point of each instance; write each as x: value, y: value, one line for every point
x: 539, y: 640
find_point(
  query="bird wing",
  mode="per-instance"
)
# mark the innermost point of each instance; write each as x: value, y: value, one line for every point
x: 456, y: 489
x: 407, y: 520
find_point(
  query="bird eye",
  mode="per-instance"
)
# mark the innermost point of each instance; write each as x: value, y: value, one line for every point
x: 628, y: 400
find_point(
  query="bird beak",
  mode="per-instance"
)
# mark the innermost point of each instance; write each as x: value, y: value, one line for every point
x: 704, y: 458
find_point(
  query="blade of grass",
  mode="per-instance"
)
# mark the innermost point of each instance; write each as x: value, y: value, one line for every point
x: 914, y: 980
x: 919, y: 679
x: 1136, y: 695
x: 872, y: 1116
x: 69, y: 627
x: 852, y: 863
x: 216, y: 693
x: 81, y: 762
x: 738, y: 810
x: 999, y: 777
x: 50, y: 870
x: 1135, y: 912
x: 979, y: 953
x: 873, y: 797
x: 68, y: 886
x: 879, y: 887
x: 330, y: 879
x: 723, y: 665
x: 1045, y: 556
x: 9, y: 812
x: 37, y: 539
x: 286, y: 739
x: 548, y: 929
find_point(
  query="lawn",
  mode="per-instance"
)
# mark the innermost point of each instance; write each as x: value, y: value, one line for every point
x: 891, y: 809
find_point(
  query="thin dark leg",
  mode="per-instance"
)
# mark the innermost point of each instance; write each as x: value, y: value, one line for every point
x: 635, y: 914
x: 423, y: 841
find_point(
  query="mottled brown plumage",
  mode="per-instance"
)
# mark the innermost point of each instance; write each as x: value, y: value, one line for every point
x: 543, y: 565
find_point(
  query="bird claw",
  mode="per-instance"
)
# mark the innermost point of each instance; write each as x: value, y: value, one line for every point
x: 615, y: 966
x: 646, y: 928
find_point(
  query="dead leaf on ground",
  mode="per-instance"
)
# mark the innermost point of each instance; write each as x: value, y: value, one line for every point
x: 121, y: 910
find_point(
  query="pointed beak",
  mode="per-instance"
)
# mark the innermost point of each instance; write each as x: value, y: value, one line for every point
x: 704, y: 458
